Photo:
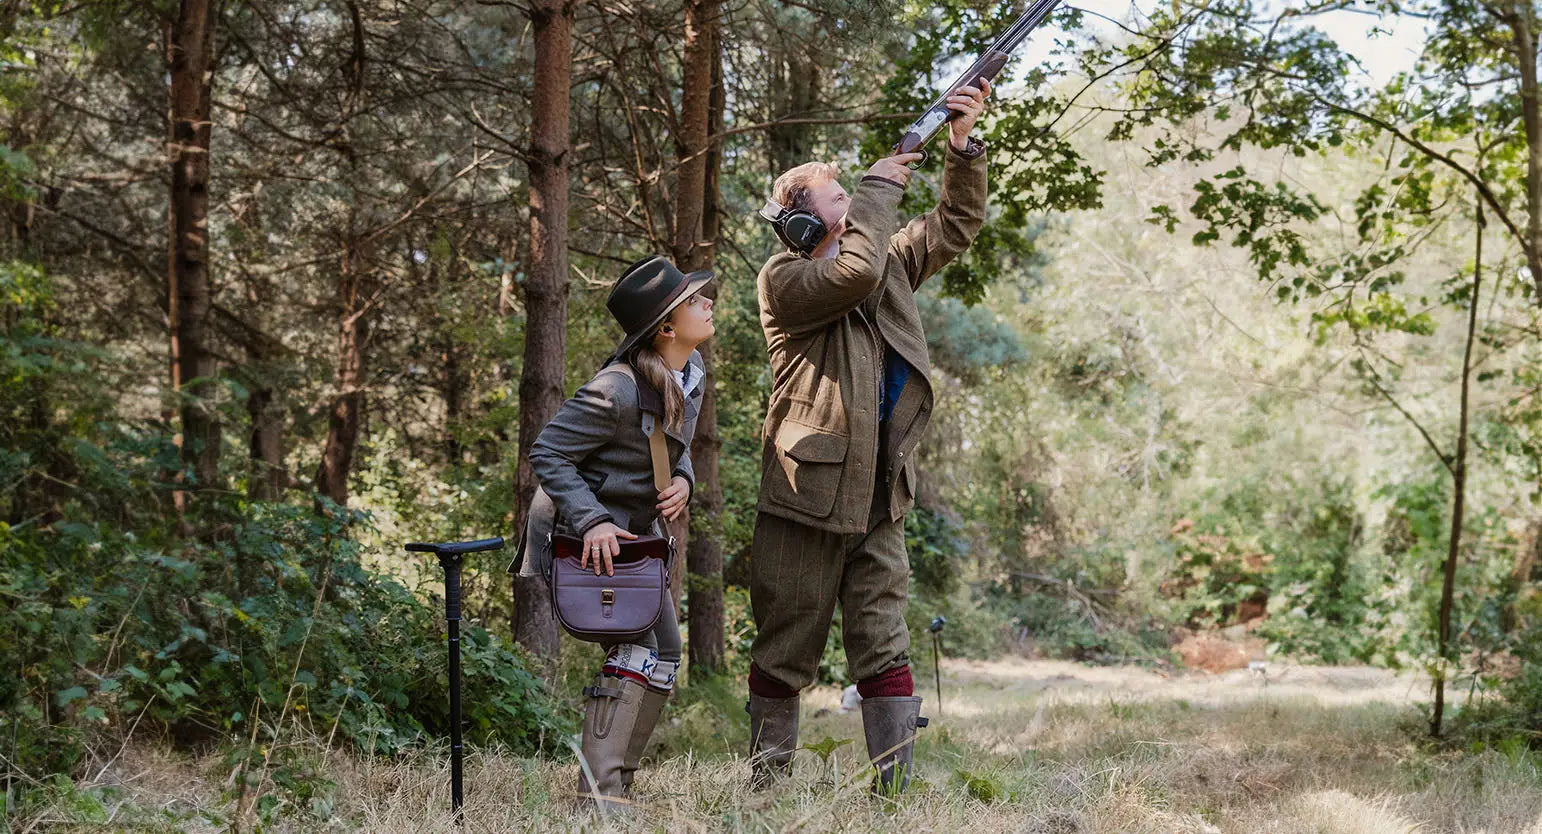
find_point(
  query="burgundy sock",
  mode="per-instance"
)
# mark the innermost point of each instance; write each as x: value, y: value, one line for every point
x: 768, y: 687
x: 895, y: 683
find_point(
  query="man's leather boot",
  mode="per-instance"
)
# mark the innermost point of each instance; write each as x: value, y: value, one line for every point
x: 890, y: 724
x: 773, y: 738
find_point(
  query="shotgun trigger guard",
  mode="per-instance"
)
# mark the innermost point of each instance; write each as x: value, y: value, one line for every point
x: 922, y: 161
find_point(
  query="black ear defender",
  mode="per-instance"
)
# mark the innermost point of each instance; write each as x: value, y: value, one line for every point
x: 800, y: 229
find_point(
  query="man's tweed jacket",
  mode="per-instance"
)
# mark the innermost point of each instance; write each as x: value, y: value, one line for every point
x: 827, y: 322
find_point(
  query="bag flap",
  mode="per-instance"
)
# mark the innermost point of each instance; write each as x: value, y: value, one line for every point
x: 643, y: 547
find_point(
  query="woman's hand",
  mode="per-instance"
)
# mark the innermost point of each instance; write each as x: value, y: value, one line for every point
x: 672, y: 501
x: 600, y: 543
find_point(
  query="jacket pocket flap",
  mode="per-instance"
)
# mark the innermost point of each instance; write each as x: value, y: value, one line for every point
x: 808, y: 444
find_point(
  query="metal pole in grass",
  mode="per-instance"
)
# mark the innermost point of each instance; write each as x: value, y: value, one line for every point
x: 450, y: 555
x: 936, y: 629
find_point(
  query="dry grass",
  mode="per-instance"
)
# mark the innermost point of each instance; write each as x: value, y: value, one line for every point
x: 1021, y: 747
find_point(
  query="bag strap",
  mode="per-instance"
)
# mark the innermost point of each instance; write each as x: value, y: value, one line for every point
x: 660, y: 454
x: 654, y: 429
x: 661, y: 480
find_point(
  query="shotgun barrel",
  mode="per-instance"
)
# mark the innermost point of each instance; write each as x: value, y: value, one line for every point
x: 987, y: 66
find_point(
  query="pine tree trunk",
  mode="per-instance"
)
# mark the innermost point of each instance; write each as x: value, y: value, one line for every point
x: 454, y: 383
x: 689, y: 249
x: 704, y: 558
x: 345, y: 414
x: 545, y: 291
x: 266, y: 449
x: 189, y: 51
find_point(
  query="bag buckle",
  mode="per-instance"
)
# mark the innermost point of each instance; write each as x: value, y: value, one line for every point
x: 607, y: 601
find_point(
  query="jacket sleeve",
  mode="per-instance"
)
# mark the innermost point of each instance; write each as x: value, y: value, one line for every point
x: 930, y: 241
x: 686, y: 470
x: 584, y: 423
x: 806, y: 294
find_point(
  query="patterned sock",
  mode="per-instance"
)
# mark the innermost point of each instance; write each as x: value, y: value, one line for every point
x: 894, y: 683
x: 631, y: 661
x: 663, y: 677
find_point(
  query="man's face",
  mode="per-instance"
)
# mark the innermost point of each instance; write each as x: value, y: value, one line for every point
x: 828, y: 200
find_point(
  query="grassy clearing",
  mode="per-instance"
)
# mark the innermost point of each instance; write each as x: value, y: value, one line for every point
x: 1022, y: 746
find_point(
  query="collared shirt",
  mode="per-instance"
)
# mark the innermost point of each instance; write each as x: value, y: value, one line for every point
x: 687, y: 383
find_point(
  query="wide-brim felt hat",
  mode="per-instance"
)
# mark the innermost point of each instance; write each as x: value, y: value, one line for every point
x: 647, y: 292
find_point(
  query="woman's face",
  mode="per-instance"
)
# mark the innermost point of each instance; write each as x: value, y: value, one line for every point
x: 692, y: 320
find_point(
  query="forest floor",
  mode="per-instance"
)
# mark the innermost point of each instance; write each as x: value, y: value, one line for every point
x: 1022, y: 746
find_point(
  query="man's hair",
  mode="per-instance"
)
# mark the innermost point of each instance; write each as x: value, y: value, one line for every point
x: 791, y: 189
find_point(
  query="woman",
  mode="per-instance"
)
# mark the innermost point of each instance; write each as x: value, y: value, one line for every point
x: 596, y: 481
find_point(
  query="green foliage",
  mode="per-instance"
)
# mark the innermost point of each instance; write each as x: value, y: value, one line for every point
x: 1515, y: 717
x: 832, y: 661
x: 1381, y: 312
x: 981, y: 786
x: 975, y: 627
x: 1259, y: 218
x: 1035, y: 168
x: 967, y: 341
x: 826, y: 746
x: 1218, y: 578
x: 347, y: 649
x: 738, y: 628
x: 936, y: 547
x: 266, y: 617
x: 1069, y: 627
x: 1293, y: 554
x: 1322, y: 602
x: 15, y: 170
x: 705, y: 717
x: 1418, y: 538
x: 1523, y: 693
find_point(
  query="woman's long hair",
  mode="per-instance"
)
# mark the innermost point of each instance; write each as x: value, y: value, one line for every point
x: 657, y: 372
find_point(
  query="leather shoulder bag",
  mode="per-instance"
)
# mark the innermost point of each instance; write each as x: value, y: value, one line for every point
x: 627, y: 605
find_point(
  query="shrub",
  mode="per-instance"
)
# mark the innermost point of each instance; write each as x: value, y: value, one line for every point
x: 112, y: 614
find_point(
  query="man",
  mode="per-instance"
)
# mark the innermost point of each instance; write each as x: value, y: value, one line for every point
x: 850, y: 398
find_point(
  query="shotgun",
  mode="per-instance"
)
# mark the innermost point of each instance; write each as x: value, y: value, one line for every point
x: 987, y: 66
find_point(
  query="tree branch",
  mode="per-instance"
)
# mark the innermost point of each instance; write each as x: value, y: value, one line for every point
x: 1375, y: 379
x: 1482, y: 187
